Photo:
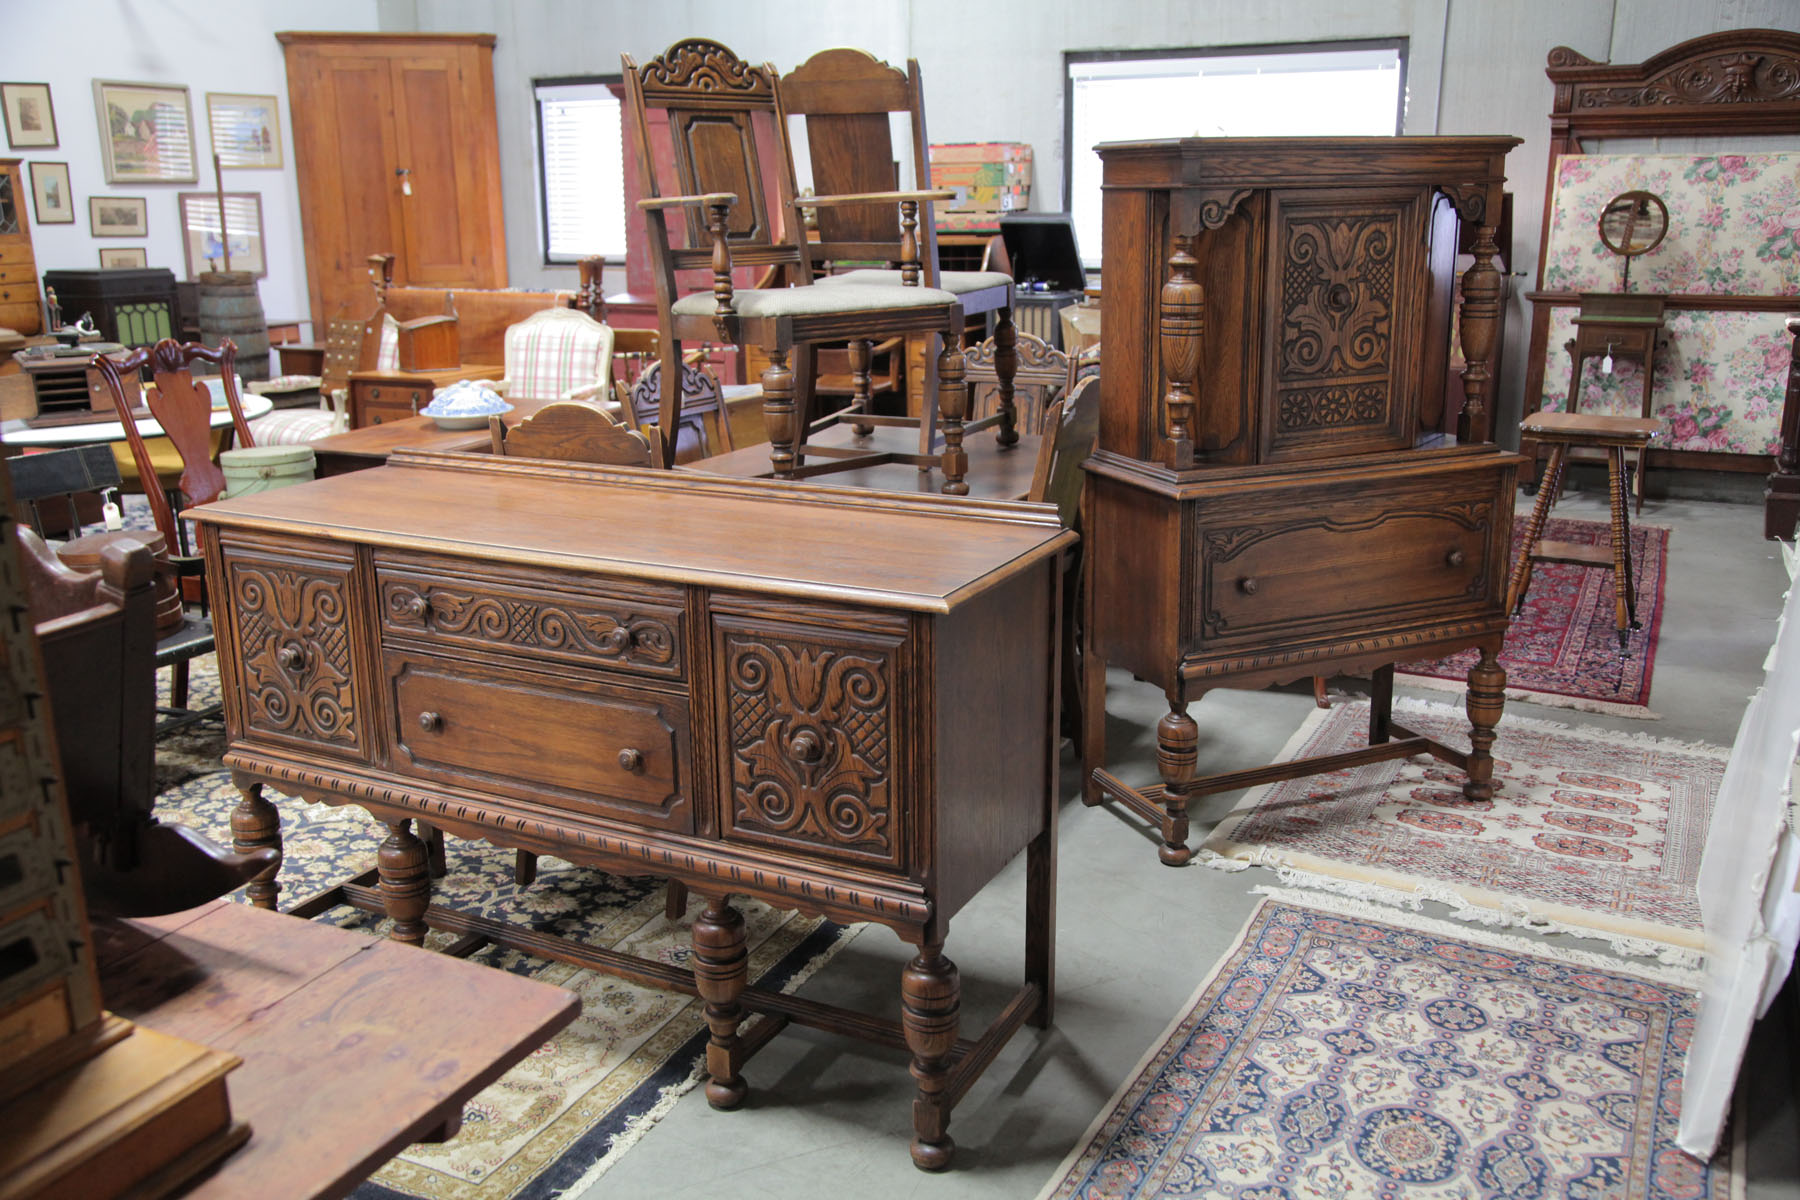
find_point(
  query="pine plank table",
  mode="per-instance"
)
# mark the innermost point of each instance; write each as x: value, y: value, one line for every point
x: 345, y: 1062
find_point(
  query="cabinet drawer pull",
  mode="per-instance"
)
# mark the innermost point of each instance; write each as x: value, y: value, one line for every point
x: 291, y: 657
x: 419, y: 607
x: 805, y: 747
x: 1454, y: 558
x: 1248, y: 585
x: 431, y: 722
x: 631, y: 759
x: 616, y: 639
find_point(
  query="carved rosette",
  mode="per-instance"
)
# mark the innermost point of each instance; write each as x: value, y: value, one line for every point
x: 294, y: 634
x: 607, y: 634
x: 811, y: 745
x: 1337, y: 297
x: 1323, y: 408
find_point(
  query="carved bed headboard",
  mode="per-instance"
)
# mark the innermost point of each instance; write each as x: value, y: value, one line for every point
x: 1736, y: 90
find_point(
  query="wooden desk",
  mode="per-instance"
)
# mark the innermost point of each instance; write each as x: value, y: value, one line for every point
x: 841, y: 702
x: 344, y: 1066
x: 994, y: 473
x: 1266, y: 503
x: 380, y: 396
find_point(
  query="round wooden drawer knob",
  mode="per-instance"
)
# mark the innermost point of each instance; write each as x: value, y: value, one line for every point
x: 631, y: 760
x: 1248, y: 585
x: 418, y: 608
x: 431, y: 722
x: 1454, y: 558
x: 616, y: 639
x: 291, y: 657
x: 805, y: 747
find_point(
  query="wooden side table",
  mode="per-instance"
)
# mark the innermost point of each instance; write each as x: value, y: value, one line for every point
x: 1563, y: 432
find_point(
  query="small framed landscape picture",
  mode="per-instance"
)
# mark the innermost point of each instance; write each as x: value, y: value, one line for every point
x: 50, y: 193
x: 243, y: 231
x: 118, y: 216
x: 246, y: 130
x: 123, y: 256
x: 146, y: 132
x: 30, y: 121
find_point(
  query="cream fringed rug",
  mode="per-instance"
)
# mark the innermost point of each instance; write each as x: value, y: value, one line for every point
x: 1338, y: 1052
x: 558, y: 1120
x: 1590, y: 831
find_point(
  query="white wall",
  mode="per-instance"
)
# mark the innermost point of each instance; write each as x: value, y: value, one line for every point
x: 209, y: 47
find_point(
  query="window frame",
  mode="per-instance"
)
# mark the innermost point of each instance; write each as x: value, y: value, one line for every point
x: 617, y: 81
x: 1073, y: 57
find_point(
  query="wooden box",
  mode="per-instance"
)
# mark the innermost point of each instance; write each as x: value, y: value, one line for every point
x: 430, y: 343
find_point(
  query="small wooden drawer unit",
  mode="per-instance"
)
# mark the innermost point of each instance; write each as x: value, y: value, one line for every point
x: 378, y: 403
x: 665, y: 674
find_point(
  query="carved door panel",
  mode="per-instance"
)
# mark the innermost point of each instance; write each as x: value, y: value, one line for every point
x: 812, y: 757
x: 1343, y: 351
x: 296, y: 663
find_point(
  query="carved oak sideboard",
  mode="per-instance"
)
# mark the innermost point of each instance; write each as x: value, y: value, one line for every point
x: 1278, y: 491
x: 833, y: 701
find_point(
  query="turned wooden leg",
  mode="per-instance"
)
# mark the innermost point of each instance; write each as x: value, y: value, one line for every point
x: 1624, y: 601
x: 1486, y: 700
x: 721, y: 970
x: 930, y: 997
x: 953, y: 408
x: 256, y: 825
x: 405, y: 882
x: 863, y: 400
x: 1177, y: 750
x: 1381, y: 704
x: 778, y: 413
x: 1520, y: 579
x: 1006, y: 366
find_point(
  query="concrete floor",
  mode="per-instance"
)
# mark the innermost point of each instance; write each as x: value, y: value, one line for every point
x: 828, y: 1117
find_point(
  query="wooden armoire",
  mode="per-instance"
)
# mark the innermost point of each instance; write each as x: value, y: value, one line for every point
x: 397, y: 151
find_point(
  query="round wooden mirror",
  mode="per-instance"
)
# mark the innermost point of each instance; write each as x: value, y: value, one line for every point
x: 1634, y: 223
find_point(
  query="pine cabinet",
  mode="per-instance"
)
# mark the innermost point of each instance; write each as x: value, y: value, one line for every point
x: 19, y: 308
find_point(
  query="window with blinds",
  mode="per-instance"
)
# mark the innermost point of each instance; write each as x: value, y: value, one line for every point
x: 582, y: 158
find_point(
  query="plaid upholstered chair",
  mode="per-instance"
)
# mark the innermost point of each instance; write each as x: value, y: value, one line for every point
x: 558, y: 354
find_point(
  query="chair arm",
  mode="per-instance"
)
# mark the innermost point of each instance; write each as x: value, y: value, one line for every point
x: 586, y: 391
x: 872, y: 198
x: 909, y: 220
x: 704, y: 200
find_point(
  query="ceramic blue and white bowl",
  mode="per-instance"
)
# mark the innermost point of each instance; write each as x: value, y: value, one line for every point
x: 465, y: 404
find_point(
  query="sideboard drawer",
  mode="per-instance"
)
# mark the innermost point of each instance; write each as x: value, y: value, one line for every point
x: 584, y: 621
x: 590, y: 746
x: 1332, y: 562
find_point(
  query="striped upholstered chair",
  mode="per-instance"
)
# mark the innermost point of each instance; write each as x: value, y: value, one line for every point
x: 558, y: 354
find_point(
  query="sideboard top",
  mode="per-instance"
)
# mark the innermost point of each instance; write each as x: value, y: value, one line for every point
x: 1302, y: 161
x: 874, y: 549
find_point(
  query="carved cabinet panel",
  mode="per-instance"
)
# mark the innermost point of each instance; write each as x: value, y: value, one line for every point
x: 813, y: 758
x: 295, y: 662
x: 1343, y: 375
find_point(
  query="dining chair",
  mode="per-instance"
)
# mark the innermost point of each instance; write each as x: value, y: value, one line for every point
x: 1041, y: 375
x: 557, y: 354
x: 717, y: 117
x: 1071, y: 428
x: 846, y: 102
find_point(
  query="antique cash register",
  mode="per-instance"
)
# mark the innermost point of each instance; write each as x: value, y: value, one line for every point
x: 1278, y: 490
x: 841, y: 702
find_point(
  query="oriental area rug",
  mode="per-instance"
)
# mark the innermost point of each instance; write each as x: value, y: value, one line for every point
x: 1563, y: 649
x: 1334, y: 1053
x: 1589, y: 831
x: 561, y: 1118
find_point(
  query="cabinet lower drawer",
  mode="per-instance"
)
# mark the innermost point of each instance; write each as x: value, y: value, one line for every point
x: 1305, y: 562
x: 590, y: 746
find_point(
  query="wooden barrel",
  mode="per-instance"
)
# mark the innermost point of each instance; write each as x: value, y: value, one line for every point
x: 231, y: 308
x: 83, y: 554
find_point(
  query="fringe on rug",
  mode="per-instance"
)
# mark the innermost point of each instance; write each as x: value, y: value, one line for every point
x: 639, y: 1124
x: 1515, y: 916
x: 1415, y: 704
x: 1672, y: 974
x: 1605, y: 708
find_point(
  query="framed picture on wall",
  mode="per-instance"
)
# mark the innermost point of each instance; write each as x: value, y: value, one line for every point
x: 146, y: 132
x: 30, y: 121
x: 123, y: 256
x: 118, y: 216
x: 246, y: 130
x: 50, y: 198
x: 200, y: 232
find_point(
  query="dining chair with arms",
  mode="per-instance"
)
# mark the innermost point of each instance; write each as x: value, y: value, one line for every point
x: 722, y: 125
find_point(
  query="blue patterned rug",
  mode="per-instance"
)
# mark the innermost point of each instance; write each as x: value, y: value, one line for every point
x: 1335, y: 1054
x: 558, y: 1120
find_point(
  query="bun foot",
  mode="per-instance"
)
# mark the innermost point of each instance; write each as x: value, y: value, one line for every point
x: 933, y: 1156
x: 726, y: 1096
x: 1173, y: 855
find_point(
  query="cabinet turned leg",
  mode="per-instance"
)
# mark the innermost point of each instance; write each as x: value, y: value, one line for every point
x: 405, y: 871
x: 256, y: 825
x: 1177, y: 750
x: 930, y: 999
x: 721, y: 970
x: 778, y: 413
x: 1486, y: 700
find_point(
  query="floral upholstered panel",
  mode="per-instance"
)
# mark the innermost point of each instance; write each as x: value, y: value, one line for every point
x: 1734, y: 230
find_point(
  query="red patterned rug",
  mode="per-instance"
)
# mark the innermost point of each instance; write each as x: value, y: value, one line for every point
x: 1563, y: 650
x: 1590, y: 831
